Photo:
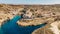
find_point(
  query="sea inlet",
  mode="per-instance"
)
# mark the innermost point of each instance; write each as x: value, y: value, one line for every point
x: 11, y: 27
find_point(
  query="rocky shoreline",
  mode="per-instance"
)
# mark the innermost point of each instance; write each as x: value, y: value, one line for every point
x: 33, y: 14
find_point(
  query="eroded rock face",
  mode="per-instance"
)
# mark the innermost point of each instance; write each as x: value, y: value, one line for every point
x: 43, y: 31
x: 32, y: 15
x: 55, y: 27
x: 52, y: 28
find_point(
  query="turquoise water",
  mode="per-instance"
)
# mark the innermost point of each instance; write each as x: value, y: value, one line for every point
x: 1, y: 32
x: 11, y: 27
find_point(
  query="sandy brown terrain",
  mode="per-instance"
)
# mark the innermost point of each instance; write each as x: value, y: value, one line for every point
x: 33, y: 15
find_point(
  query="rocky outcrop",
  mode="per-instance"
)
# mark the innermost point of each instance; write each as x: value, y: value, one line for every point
x: 32, y: 15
